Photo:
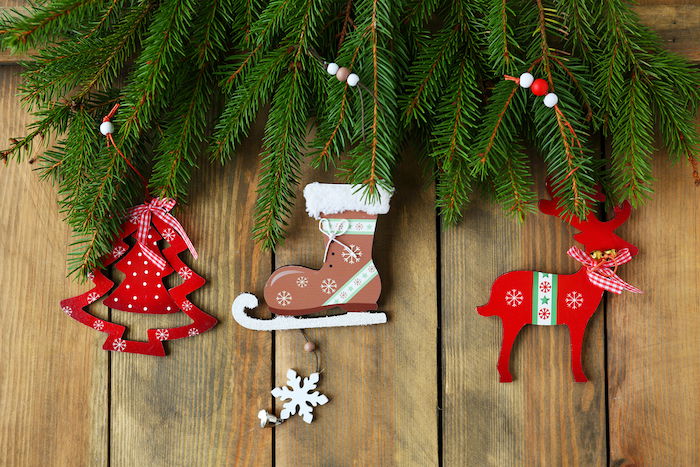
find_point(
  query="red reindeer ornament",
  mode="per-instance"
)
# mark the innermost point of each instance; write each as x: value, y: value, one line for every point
x: 530, y: 297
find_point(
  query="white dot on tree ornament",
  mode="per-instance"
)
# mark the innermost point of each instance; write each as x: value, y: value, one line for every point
x: 156, y: 297
x: 106, y: 128
x: 145, y: 308
x: 526, y: 80
x: 133, y: 274
x: 158, y: 286
x: 167, y: 308
x: 146, y: 271
x: 144, y: 284
x: 116, y: 299
x: 128, y: 286
x: 134, y: 297
x: 332, y: 68
x: 353, y: 79
x: 551, y: 99
x: 157, y: 274
x: 150, y: 236
x: 128, y: 262
x: 145, y: 263
x: 130, y: 306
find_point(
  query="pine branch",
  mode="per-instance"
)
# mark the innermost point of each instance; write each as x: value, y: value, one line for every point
x: 242, y: 107
x: 451, y: 141
x: 162, y: 48
x: 371, y: 163
x: 22, y: 30
x: 632, y: 147
x: 285, y: 132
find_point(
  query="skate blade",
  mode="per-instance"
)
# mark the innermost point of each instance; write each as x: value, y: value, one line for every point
x: 280, y: 323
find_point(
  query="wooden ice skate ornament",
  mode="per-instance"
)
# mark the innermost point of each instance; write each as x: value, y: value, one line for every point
x: 529, y: 297
x: 348, y: 278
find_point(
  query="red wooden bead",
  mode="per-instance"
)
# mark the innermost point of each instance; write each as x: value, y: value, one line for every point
x: 539, y: 87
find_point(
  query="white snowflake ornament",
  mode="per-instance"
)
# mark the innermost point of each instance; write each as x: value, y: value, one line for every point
x: 301, y: 399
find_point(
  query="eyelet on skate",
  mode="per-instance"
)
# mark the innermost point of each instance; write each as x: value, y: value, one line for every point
x: 332, y: 253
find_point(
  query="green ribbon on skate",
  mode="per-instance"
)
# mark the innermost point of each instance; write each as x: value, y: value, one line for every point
x: 354, y: 226
x: 354, y: 285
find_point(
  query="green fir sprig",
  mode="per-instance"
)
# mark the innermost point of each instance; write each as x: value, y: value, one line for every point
x: 192, y: 76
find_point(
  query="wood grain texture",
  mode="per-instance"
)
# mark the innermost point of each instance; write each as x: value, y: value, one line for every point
x: 53, y: 375
x: 676, y: 22
x: 653, y: 339
x: 198, y: 405
x: 381, y: 380
x: 543, y: 417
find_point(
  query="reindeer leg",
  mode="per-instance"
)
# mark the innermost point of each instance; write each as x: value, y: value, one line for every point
x: 510, y: 332
x: 576, y: 332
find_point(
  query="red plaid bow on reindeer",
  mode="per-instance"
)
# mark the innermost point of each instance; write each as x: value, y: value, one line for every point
x: 600, y: 273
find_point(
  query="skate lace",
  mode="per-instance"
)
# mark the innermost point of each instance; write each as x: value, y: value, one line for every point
x: 326, y: 228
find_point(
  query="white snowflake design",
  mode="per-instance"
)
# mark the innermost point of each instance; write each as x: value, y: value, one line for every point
x: 328, y: 286
x: 67, y: 310
x: 98, y: 324
x: 544, y: 313
x: 545, y: 287
x: 118, y: 251
x: 93, y: 297
x: 186, y: 305
x: 91, y: 276
x: 574, y: 300
x: 514, y: 297
x: 302, y: 281
x: 371, y: 269
x: 349, y: 257
x: 284, y: 298
x: 162, y: 334
x: 168, y: 234
x: 185, y: 272
x: 359, y: 226
x: 301, y: 399
x: 192, y: 332
x: 119, y: 345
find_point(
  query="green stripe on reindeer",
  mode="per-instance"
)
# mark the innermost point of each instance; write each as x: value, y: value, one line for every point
x: 544, y: 298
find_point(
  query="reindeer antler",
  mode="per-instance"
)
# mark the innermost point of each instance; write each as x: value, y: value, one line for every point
x: 552, y: 208
x: 622, y: 213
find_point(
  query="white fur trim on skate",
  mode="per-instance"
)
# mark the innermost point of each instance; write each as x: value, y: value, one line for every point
x: 250, y: 301
x: 332, y: 198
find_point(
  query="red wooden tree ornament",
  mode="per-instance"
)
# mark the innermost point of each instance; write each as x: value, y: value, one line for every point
x: 143, y: 290
x: 529, y: 297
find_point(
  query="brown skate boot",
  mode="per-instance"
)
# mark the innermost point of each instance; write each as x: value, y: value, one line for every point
x: 348, y: 278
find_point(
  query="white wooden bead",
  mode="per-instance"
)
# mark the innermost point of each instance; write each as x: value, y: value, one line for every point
x: 353, y: 79
x: 526, y: 80
x: 106, y: 128
x: 332, y: 68
x: 551, y: 99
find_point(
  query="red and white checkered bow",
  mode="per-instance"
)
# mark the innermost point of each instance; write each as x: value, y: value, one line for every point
x: 600, y: 274
x: 158, y: 207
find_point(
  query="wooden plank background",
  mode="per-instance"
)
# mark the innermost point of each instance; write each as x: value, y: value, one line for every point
x: 421, y: 390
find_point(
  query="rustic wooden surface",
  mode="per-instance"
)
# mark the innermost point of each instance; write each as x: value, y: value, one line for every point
x: 421, y: 390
